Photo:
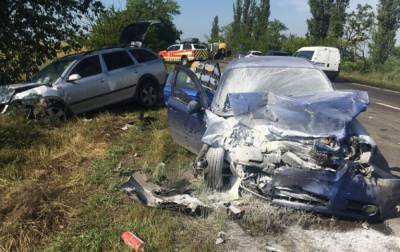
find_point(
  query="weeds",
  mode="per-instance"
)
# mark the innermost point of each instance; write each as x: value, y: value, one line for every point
x: 59, y: 185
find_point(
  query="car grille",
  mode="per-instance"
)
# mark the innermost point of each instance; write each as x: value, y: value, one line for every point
x: 300, y: 197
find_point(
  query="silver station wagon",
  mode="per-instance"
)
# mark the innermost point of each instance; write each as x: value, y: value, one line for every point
x: 88, y: 81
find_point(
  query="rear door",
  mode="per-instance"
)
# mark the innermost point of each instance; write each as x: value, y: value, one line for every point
x: 122, y: 75
x: 186, y: 129
x: 321, y: 58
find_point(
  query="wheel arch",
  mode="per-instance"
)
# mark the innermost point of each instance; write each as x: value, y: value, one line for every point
x: 148, y: 76
x: 60, y: 101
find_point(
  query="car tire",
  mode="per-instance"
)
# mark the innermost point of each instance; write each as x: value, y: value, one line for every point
x: 184, y: 61
x: 213, y: 172
x: 148, y: 95
x: 55, y: 111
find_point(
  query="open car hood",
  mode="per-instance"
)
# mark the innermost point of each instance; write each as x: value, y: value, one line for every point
x: 136, y: 32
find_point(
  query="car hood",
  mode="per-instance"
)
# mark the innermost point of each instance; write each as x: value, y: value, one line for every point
x: 136, y: 32
x: 322, y: 115
x: 8, y: 91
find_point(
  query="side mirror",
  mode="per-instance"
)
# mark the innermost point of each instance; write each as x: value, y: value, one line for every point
x: 193, y: 107
x: 74, y: 77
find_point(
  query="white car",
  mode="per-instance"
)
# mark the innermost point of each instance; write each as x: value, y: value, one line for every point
x: 251, y: 54
x: 326, y: 58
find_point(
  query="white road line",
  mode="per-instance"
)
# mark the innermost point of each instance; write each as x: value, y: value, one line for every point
x: 373, y: 87
x: 389, y: 106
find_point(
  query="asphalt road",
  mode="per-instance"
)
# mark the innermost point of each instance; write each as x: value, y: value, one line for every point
x: 382, y: 119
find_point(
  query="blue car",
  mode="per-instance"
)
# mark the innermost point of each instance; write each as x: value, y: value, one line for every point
x: 276, y: 126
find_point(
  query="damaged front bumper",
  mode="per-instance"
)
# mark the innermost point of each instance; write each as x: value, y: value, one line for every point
x: 344, y: 193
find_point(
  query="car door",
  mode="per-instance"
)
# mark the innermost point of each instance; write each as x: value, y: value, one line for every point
x: 85, y: 93
x: 186, y: 128
x: 122, y: 75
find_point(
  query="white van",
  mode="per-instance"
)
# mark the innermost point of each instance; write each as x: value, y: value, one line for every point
x: 326, y: 58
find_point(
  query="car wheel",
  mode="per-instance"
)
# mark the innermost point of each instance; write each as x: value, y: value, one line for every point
x: 148, y: 94
x: 184, y: 61
x: 56, y: 112
x: 213, y: 172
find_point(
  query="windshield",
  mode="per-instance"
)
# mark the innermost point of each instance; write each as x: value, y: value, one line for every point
x: 305, y: 54
x: 52, y: 72
x: 280, y: 81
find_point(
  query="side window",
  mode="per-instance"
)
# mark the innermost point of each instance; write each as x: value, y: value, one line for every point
x: 116, y: 60
x: 88, y: 67
x: 184, y: 88
x: 143, y: 55
x: 173, y: 48
x: 187, y: 46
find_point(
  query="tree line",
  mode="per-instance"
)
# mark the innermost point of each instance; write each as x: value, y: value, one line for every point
x: 35, y: 32
x: 331, y: 23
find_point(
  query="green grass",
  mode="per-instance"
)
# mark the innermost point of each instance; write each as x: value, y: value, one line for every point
x: 59, y: 185
x: 376, y: 79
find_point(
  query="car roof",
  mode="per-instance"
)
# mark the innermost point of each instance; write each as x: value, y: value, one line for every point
x: 270, y: 61
x: 314, y: 48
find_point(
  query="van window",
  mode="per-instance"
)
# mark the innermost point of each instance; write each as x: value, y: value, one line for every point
x: 199, y: 47
x: 187, y: 46
x: 305, y: 54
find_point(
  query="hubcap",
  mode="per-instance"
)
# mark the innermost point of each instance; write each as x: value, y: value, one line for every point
x: 149, y: 95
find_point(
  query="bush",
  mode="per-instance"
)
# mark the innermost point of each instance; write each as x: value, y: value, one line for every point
x: 355, y: 66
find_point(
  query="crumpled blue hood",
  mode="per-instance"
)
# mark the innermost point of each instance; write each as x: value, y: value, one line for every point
x: 321, y: 115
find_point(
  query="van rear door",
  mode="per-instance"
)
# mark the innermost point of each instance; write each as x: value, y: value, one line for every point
x: 321, y: 58
x: 334, y: 59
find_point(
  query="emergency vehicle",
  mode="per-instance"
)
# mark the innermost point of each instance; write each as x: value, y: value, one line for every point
x: 185, y: 53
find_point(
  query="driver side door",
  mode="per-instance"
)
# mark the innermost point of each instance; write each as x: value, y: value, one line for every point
x: 186, y: 127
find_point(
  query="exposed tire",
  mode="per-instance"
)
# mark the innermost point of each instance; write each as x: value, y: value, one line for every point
x: 148, y: 93
x: 213, y: 172
x: 56, y: 112
x: 184, y: 61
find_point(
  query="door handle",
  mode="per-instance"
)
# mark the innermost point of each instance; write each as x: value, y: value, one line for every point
x: 102, y: 80
x: 173, y: 109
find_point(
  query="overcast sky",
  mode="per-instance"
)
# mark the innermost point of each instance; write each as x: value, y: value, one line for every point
x: 197, y: 15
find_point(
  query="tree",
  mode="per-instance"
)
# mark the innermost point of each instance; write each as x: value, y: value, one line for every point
x: 273, y: 36
x: 294, y: 43
x: 338, y: 18
x: 263, y: 16
x: 357, y: 30
x: 215, y: 30
x: 318, y: 24
x: 384, y: 36
x: 33, y: 32
x: 106, y: 30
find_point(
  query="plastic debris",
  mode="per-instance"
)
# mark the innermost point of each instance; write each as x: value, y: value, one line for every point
x: 132, y: 241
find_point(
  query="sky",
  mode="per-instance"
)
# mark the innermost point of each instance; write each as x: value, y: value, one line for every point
x: 197, y: 15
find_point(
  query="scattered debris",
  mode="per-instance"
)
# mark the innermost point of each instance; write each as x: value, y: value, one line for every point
x: 221, y: 237
x: 272, y: 249
x: 165, y: 198
x: 132, y: 241
x: 127, y: 126
x: 365, y: 225
x: 233, y: 211
x: 118, y: 167
x: 219, y: 241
